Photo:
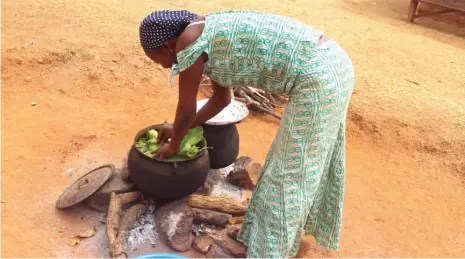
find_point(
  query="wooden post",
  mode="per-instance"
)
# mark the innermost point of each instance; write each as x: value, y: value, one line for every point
x: 412, y: 10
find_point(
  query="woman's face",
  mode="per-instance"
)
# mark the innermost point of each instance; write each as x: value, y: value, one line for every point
x: 163, y: 56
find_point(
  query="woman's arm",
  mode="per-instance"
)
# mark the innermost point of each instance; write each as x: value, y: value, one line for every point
x: 218, y: 101
x: 189, y: 81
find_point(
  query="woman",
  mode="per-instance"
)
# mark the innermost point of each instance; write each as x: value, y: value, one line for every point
x: 301, y: 186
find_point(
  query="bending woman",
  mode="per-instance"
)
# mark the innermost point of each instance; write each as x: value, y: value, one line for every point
x: 301, y: 187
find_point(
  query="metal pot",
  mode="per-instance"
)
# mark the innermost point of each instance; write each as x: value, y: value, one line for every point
x: 224, y: 141
x: 166, y: 181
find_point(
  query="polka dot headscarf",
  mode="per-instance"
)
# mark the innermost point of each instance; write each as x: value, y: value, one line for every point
x: 160, y: 26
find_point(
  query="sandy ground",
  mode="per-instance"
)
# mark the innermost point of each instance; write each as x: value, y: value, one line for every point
x: 95, y: 89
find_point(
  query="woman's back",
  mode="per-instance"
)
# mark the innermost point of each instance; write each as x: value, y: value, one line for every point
x: 252, y: 48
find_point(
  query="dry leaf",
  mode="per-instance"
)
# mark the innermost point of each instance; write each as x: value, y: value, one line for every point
x: 88, y: 233
x: 74, y: 241
x: 84, y: 234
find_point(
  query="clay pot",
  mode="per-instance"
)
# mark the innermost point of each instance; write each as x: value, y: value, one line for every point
x: 166, y: 181
x: 224, y: 141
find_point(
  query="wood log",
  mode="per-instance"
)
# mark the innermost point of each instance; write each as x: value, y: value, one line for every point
x: 113, y: 220
x: 229, y: 245
x: 213, y: 217
x: 217, y: 203
x: 237, y: 220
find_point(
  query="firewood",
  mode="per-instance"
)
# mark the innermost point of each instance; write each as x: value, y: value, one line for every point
x: 213, y: 217
x: 230, y: 245
x: 217, y: 203
x: 236, y: 220
x: 113, y: 220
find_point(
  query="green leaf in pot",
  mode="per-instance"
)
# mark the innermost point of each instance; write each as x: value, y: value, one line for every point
x: 189, y: 148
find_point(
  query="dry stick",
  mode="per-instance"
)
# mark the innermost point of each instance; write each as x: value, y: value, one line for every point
x: 249, y: 101
x: 113, y: 218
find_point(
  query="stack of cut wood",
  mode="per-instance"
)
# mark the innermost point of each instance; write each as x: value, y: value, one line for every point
x: 256, y: 99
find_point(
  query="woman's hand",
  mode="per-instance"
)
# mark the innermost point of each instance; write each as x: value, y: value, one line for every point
x: 165, y: 133
x: 166, y: 150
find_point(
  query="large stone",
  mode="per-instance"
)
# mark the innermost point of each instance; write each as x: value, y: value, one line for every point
x: 245, y: 173
x: 202, y: 244
x: 174, y: 223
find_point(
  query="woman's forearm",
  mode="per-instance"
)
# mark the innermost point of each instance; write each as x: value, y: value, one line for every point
x: 184, y: 118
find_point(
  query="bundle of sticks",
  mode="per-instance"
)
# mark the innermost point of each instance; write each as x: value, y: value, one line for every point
x: 254, y: 98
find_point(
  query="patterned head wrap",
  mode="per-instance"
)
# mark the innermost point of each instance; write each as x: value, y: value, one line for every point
x: 160, y: 26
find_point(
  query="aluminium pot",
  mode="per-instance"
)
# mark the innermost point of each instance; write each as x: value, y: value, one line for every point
x: 224, y: 143
x: 166, y: 181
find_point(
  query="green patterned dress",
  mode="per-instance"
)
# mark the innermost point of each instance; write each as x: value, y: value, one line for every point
x: 301, y: 187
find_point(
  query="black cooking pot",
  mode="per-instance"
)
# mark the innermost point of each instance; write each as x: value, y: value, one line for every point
x: 166, y: 181
x: 224, y: 141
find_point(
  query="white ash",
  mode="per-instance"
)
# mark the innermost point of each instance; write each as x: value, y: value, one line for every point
x: 224, y: 171
x: 144, y: 230
x: 223, y: 188
x: 173, y: 220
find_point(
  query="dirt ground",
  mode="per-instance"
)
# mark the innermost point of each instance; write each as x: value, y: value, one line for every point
x: 82, y: 63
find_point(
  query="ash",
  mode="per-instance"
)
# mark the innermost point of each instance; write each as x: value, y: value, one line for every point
x: 222, y: 187
x: 143, y: 230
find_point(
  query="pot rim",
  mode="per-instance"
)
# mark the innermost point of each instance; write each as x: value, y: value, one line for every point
x: 156, y: 127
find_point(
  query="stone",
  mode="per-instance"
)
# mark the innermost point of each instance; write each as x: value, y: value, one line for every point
x: 209, y: 184
x: 245, y: 173
x: 217, y: 252
x: 202, y: 244
x: 246, y: 196
x: 233, y: 231
x: 174, y: 224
